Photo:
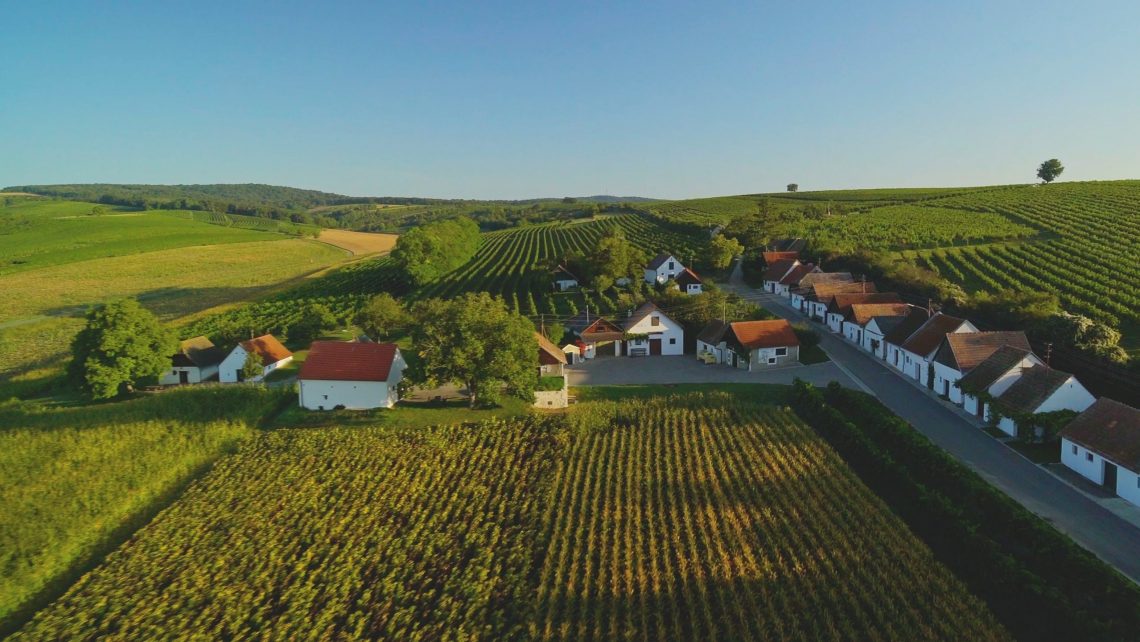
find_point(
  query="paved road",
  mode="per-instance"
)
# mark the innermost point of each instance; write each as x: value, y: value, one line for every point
x: 603, y: 371
x: 1111, y: 538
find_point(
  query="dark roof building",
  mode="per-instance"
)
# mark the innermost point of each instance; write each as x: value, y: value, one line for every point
x: 989, y: 371
x: 548, y: 353
x: 1031, y: 389
x: 903, y: 331
x: 927, y: 338
x: 963, y: 351
x: 688, y: 277
x: 198, y: 352
x: 1111, y: 429
x: 713, y: 333
x: 797, y: 274
x: 660, y: 260
x: 772, y: 257
x: 779, y: 269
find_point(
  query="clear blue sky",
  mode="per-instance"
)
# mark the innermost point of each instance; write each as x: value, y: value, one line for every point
x: 526, y: 99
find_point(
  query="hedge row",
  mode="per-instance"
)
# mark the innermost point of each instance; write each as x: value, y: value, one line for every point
x: 1038, y: 582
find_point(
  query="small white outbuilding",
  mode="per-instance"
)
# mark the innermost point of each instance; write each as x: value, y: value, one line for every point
x: 268, y: 350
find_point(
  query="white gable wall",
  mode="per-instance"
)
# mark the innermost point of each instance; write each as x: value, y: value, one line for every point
x: 1084, y: 461
x: 672, y: 335
x: 230, y: 369
x: 353, y: 395
x: 669, y: 269
x: 873, y: 339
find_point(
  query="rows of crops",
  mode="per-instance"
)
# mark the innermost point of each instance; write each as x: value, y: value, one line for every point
x: 1094, y: 266
x: 705, y: 518
x: 910, y: 226
x: 348, y: 534
x: 343, y: 291
x: 512, y: 263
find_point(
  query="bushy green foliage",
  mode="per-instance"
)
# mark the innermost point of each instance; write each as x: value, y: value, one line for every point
x: 74, y: 481
x: 426, y: 253
x: 121, y: 345
x: 315, y: 319
x: 1049, y: 170
x: 722, y: 250
x: 1039, y: 583
x: 477, y: 342
x: 382, y: 316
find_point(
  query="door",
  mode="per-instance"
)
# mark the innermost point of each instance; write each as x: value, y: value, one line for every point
x: 183, y: 376
x: 1110, y: 476
x: 654, y: 346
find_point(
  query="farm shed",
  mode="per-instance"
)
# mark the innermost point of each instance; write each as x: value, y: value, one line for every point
x: 197, y: 361
x: 1103, y: 445
x: 550, y: 358
x: 351, y: 375
x: 1040, y: 389
x: 762, y: 344
x: 711, y: 347
x: 269, y: 351
x: 960, y: 353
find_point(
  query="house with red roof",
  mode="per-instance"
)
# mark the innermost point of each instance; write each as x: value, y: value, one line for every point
x: 350, y: 375
x: 793, y: 278
x: 689, y: 282
x: 961, y: 352
x: 777, y: 271
x: 916, y: 352
x: 267, y: 349
x: 761, y: 344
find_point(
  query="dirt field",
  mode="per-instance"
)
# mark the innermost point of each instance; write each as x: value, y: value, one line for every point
x: 359, y: 243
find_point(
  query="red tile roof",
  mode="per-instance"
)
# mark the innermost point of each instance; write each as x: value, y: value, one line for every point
x: 983, y: 375
x: 798, y: 273
x: 862, y: 313
x: 843, y: 301
x: 348, y: 361
x: 1111, y: 429
x: 268, y: 348
x: 688, y: 276
x: 601, y: 330
x: 819, y: 278
x: 929, y: 336
x: 825, y: 292
x: 772, y: 257
x: 777, y: 270
x: 777, y: 333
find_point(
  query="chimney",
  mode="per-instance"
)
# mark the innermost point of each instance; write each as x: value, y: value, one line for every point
x: 1048, y: 354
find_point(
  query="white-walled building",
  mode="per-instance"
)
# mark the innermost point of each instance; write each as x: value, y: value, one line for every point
x: 711, y: 345
x: 777, y: 271
x: 806, y: 287
x: 859, y: 315
x: 197, y: 361
x: 1040, y: 389
x: 564, y: 280
x: 820, y: 296
x: 993, y: 377
x: 898, y: 335
x: 761, y: 344
x: 662, y: 268
x: 268, y: 350
x: 649, y: 331
x: 840, y: 307
x: 916, y: 353
x: 793, y: 279
x: 961, y: 352
x: 350, y: 375
x: 1103, y: 445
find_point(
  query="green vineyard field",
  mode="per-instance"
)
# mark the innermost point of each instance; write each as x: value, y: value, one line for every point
x: 703, y: 516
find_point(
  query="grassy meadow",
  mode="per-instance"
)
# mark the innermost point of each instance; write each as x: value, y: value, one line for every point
x: 74, y: 482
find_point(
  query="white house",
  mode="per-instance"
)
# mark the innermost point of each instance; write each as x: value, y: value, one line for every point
x: 269, y: 351
x: 761, y: 344
x: 1103, y: 445
x: 688, y: 282
x: 711, y: 345
x: 819, y: 297
x: 876, y: 330
x: 917, y: 351
x: 793, y: 279
x: 799, y: 294
x: 840, y: 306
x: 197, y: 361
x: 662, y: 268
x: 648, y: 331
x: 990, y: 378
x: 599, y: 338
x: 895, y: 337
x: 777, y: 271
x: 350, y: 375
x: 1040, y: 389
x: 858, y: 315
x: 961, y: 352
x: 564, y: 280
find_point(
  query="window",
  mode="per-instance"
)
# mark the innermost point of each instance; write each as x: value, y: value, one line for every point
x: 655, y: 321
x: 1075, y: 451
x: 671, y: 266
x: 673, y: 342
x: 781, y: 352
x: 1088, y: 456
x: 325, y: 396
x: 771, y: 360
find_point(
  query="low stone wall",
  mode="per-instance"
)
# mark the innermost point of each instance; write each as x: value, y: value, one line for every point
x: 551, y: 398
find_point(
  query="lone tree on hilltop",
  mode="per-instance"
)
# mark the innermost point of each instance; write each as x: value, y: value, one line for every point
x: 793, y: 187
x: 1050, y: 170
x: 122, y: 344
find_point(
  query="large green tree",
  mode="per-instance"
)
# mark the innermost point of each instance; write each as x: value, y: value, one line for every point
x: 1049, y: 170
x: 122, y: 344
x: 315, y: 319
x: 474, y: 341
x: 381, y: 316
x: 615, y: 257
x: 722, y: 250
